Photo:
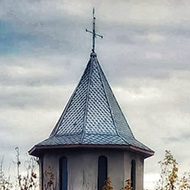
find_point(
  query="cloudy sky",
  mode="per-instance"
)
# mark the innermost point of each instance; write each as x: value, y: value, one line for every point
x: 145, y: 55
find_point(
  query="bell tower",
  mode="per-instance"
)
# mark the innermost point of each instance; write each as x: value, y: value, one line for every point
x: 92, y: 139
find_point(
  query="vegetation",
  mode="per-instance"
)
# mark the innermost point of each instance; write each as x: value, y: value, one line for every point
x: 108, y: 186
x: 26, y: 181
x: 169, y: 177
x: 5, y: 183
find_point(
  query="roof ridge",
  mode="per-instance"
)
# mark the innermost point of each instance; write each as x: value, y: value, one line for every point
x: 112, y: 116
x: 87, y: 100
x: 110, y: 107
x: 57, y: 126
x: 117, y: 105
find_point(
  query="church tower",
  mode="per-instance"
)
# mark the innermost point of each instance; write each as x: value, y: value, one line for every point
x: 91, y: 140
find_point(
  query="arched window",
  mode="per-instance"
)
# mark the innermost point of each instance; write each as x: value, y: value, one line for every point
x: 102, y: 171
x: 133, y: 174
x: 63, y: 173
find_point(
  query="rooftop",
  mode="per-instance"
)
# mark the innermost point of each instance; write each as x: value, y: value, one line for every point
x: 92, y: 117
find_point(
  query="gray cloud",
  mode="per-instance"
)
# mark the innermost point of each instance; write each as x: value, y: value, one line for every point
x: 144, y: 53
x: 171, y: 140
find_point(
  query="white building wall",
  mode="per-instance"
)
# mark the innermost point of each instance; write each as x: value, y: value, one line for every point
x: 139, y: 173
x: 83, y: 168
x: 128, y: 157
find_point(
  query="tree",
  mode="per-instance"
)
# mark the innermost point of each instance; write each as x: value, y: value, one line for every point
x: 108, y: 186
x: 169, y: 179
x: 27, y: 181
x: 30, y: 180
x: 5, y: 183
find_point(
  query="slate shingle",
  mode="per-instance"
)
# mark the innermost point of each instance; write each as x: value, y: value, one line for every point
x: 92, y: 115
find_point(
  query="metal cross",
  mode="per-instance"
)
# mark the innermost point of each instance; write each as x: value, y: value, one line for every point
x: 93, y: 32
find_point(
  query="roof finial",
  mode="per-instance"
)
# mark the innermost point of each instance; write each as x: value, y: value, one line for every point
x: 93, y: 32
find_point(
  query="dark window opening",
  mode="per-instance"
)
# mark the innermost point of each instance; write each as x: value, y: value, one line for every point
x: 63, y: 173
x: 102, y: 171
x: 133, y: 174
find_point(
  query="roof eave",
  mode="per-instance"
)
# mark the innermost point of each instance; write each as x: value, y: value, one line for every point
x: 38, y: 150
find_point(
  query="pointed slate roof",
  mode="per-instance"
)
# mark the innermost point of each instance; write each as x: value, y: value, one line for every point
x: 92, y: 116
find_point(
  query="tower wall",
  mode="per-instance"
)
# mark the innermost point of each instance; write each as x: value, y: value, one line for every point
x: 83, y: 168
x: 139, y: 169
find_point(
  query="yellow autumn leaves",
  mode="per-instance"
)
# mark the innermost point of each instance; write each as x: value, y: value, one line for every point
x: 169, y: 179
x: 108, y: 186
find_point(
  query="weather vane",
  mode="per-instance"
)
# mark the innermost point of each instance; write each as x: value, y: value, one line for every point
x: 93, y: 32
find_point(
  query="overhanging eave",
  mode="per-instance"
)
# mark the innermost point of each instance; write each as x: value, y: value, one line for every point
x: 39, y: 150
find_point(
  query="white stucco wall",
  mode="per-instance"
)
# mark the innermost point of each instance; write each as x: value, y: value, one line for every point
x: 83, y: 168
x: 128, y: 157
